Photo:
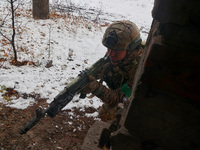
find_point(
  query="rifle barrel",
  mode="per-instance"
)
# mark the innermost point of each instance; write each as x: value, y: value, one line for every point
x: 34, y: 121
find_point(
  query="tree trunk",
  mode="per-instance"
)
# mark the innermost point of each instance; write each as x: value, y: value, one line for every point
x: 41, y: 9
x: 13, y: 28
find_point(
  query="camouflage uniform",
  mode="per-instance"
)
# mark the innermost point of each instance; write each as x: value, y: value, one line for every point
x: 117, y: 75
x: 119, y: 36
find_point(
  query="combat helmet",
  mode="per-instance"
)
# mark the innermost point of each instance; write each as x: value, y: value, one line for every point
x: 120, y: 35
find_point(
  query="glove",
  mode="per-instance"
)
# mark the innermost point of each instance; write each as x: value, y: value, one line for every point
x: 91, y: 86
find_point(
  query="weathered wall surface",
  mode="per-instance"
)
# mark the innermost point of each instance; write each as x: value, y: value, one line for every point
x: 164, y: 113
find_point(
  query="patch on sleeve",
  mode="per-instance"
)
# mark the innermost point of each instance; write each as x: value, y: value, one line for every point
x: 126, y: 90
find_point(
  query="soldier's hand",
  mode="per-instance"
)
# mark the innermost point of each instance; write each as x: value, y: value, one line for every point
x: 91, y: 86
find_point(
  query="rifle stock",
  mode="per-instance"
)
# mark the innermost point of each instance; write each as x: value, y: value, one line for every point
x: 65, y: 96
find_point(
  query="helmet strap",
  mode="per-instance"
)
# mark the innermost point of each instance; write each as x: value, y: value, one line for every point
x: 134, y: 44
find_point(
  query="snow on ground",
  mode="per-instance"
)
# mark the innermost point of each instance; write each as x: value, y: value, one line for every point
x: 71, y: 44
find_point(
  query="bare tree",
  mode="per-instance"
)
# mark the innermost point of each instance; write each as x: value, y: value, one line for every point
x: 12, y: 39
x: 40, y: 9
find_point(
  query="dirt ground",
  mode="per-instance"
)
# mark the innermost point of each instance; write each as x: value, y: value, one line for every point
x: 49, y: 134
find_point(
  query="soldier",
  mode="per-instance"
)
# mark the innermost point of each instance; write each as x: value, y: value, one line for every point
x: 119, y: 71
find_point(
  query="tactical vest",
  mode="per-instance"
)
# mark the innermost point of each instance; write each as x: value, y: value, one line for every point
x: 116, y: 76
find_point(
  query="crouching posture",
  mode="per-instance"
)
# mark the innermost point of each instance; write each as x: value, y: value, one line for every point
x: 118, y: 73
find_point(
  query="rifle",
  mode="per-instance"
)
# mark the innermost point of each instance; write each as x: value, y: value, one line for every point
x: 74, y: 87
x: 65, y: 96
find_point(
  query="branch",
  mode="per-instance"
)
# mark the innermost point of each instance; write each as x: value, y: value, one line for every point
x: 5, y: 36
x: 4, y: 20
x: 9, y: 1
x: 16, y: 7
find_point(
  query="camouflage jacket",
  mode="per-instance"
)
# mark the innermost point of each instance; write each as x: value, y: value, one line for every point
x: 116, y: 76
